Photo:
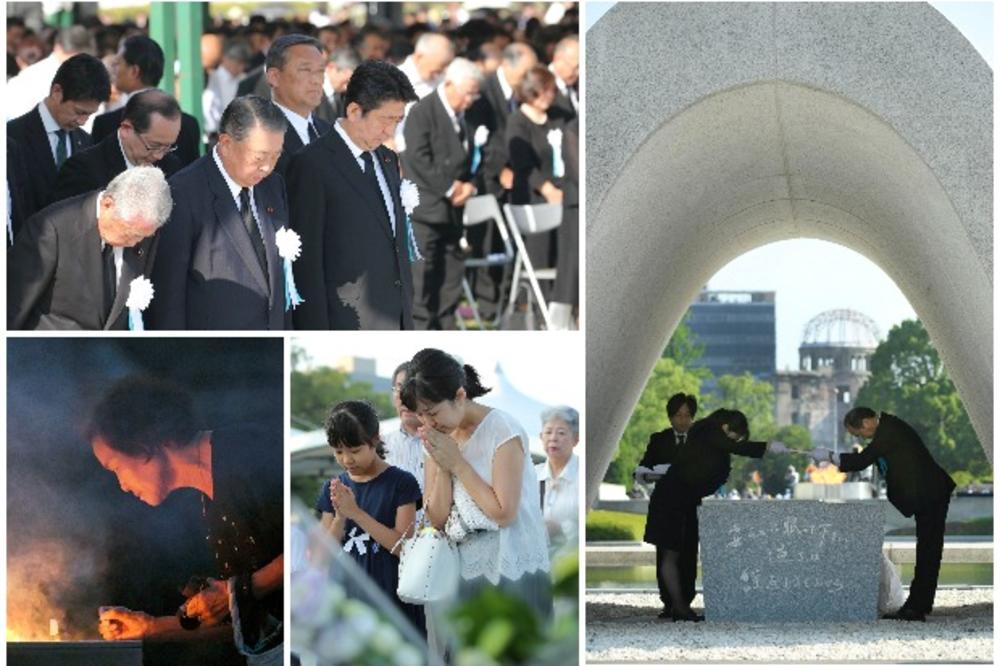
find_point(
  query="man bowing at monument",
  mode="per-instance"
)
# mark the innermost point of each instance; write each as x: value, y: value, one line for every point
x: 344, y: 195
x: 915, y: 484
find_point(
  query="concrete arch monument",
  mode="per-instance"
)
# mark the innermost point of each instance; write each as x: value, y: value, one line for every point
x: 715, y: 128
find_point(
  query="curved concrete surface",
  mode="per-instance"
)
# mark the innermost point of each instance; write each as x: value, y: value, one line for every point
x: 714, y: 129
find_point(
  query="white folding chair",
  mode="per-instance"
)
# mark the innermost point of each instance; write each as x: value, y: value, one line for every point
x: 529, y: 221
x: 478, y: 210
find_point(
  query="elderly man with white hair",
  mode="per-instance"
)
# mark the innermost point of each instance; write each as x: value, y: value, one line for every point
x: 439, y: 160
x: 424, y: 68
x: 81, y: 262
x: 559, y: 475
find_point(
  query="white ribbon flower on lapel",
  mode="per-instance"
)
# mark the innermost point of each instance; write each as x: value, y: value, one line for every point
x: 289, y: 248
x: 289, y: 243
x: 482, y: 135
x: 140, y: 293
x: 555, y: 138
x: 409, y: 195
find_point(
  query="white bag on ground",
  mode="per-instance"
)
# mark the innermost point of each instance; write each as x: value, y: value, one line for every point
x: 890, y: 588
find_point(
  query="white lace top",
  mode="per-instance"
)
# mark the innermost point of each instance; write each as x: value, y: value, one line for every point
x: 521, y: 547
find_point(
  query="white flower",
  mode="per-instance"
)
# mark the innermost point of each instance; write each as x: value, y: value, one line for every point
x: 555, y: 138
x: 409, y: 195
x: 140, y: 293
x: 289, y: 244
x: 481, y: 136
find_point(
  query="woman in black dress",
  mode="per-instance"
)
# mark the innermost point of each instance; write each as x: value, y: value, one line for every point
x: 534, y: 140
x: 699, y: 468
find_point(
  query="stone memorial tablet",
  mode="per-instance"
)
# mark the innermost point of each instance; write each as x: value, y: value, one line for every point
x: 790, y: 561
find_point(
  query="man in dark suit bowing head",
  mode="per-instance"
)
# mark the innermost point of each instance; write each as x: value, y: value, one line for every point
x: 438, y: 159
x: 52, y: 132
x: 147, y: 136
x: 344, y: 194
x: 915, y: 484
x: 75, y: 264
x: 219, y: 267
x: 295, y: 70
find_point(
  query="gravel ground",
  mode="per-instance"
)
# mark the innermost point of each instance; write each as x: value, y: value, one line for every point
x: 623, y: 627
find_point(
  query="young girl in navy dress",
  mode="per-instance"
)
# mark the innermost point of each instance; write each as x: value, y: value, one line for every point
x: 372, y: 504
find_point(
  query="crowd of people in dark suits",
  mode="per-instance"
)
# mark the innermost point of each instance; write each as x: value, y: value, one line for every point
x: 324, y: 188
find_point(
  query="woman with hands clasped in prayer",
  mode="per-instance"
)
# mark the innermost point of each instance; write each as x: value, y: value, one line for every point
x: 480, y: 486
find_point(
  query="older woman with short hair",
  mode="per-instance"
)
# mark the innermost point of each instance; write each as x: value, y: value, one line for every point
x: 559, y: 475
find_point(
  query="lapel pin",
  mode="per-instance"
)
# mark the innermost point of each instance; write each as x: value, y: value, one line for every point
x: 270, y: 211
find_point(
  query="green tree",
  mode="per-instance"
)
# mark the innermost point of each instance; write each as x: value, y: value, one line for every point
x: 683, y: 346
x: 315, y: 391
x: 909, y: 380
x: 649, y: 416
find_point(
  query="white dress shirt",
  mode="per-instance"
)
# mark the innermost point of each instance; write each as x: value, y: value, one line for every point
x: 234, y: 189
x: 382, y: 183
x: 118, y: 251
x: 505, y: 88
x: 220, y: 91
x: 298, y: 123
x: 406, y: 452
x: 561, y: 501
x: 51, y: 127
x: 565, y: 89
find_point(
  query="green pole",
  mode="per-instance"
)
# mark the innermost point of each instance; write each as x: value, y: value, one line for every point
x: 190, y: 18
x: 163, y: 31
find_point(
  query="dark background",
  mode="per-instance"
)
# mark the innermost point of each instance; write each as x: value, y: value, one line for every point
x: 71, y: 531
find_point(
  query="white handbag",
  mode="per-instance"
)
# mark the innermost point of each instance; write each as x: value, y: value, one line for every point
x: 466, y: 517
x: 428, y: 567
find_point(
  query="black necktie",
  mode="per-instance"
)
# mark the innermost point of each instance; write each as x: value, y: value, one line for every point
x: 246, y: 214
x: 373, y: 180
x: 60, y: 147
x: 681, y: 438
x: 512, y: 104
x: 463, y: 132
x: 110, y: 277
x: 313, y: 134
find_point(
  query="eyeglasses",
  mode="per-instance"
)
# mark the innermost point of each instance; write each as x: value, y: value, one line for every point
x: 155, y: 150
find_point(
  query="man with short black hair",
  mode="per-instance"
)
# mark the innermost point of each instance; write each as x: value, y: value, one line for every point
x: 139, y: 66
x: 344, y: 191
x: 51, y: 132
x: 661, y: 451
x: 295, y: 68
x: 146, y: 137
x: 915, y: 484
x: 73, y: 265
x: 218, y: 267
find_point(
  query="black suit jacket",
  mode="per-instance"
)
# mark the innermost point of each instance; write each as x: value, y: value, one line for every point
x: 434, y: 159
x: 40, y: 177
x: 702, y: 464
x: 95, y: 167
x: 16, y: 171
x: 914, y: 481
x: 661, y: 448
x: 207, y: 275
x: 188, y: 141
x: 353, y: 273
x: 293, y: 143
x: 55, y: 273
x: 491, y: 110
x: 562, y: 107
x: 254, y: 83
x: 330, y: 109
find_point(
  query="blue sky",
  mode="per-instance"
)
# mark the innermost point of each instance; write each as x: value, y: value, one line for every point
x: 800, y: 270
